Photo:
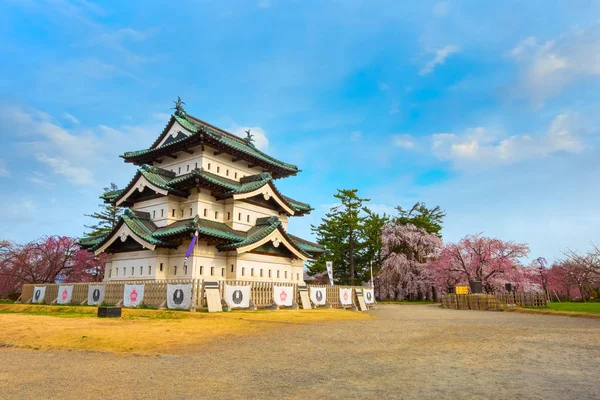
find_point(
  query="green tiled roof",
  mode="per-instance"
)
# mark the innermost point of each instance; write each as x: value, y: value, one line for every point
x: 91, y: 241
x: 213, y: 135
x: 176, y: 185
x: 308, y: 247
x: 262, y: 229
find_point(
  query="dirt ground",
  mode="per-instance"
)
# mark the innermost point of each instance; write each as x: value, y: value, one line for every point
x: 405, y: 352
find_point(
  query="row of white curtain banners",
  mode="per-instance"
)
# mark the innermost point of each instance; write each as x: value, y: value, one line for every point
x: 180, y: 296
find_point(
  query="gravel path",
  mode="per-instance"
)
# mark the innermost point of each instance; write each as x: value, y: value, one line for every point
x: 407, y: 352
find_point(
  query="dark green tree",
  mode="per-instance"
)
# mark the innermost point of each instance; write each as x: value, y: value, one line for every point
x: 341, y: 233
x: 419, y: 215
x: 107, y: 218
x: 371, y: 237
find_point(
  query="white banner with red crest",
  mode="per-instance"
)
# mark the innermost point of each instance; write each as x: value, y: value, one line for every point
x: 133, y: 295
x: 346, y: 296
x: 237, y: 296
x: 65, y: 293
x: 283, y: 295
x: 179, y: 296
x: 95, y: 295
x: 38, y: 294
x: 318, y: 296
x: 369, y: 295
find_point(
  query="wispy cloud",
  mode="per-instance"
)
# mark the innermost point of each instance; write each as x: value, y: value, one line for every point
x: 481, y: 147
x: 259, y: 135
x: 439, y: 58
x: 75, y: 175
x: 404, y: 141
x: 3, y: 170
x: 71, y: 118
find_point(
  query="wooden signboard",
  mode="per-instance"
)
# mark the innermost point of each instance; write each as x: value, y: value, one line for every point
x: 304, y: 299
x: 362, y: 306
x: 213, y: 297
x: 462, y: 290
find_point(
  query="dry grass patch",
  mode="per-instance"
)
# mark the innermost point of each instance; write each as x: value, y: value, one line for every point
x: 545, y: 311
x: 142, y: 331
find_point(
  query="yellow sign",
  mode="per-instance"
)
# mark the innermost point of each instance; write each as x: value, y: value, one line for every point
x: 462, y: 290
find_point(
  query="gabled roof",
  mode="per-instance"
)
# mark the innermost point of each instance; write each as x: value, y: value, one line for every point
x: 140, y: 227
x: 203, y: 133
x: 164, y: 182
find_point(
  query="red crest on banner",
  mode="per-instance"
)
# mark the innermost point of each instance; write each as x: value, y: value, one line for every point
x: 345, y: 296
x: 64, y: 294
x: 133, y: 296
x: 283, y: 296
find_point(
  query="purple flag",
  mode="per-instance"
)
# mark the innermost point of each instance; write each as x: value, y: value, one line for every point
x: 190, y: 249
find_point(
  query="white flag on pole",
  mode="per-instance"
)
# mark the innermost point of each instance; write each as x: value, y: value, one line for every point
x: 369, y: 295
x: 346, y: 296
x: 237, y: 296
x: 283, y: 295
x: 95, y: 295
x: 329, y: 265
x: 318, y: 296
x: 38, y: 294
x: 179, y: 296
x: 65, y: 293
x: 133, y: 295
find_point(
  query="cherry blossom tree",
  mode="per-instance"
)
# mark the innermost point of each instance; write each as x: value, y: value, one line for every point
x: 406, y: 251
x: 477, y: 258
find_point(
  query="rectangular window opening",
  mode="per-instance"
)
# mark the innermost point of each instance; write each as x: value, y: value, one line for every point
x: 173, y: 213
x: 205, y: 212
x: 212, y: 271
x: 228, y: 215
x: 149, y: 270
x: 216, y: 215
x: 190, y: 211
x: 161, y: 267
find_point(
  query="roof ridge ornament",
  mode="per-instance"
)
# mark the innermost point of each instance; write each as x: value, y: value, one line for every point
x: 179, y: 111
x: 249, y: 139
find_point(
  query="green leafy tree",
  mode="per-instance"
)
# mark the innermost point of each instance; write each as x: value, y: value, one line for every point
x: 372, y: 245
x: 107, y: 218
x: 421, y: 216
x: 341, y: 233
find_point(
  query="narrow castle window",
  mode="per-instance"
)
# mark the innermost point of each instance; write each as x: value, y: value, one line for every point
x: 212, y: 271
x: 132, y: 272
x: 153, y: 213
x: 201, y: 270
x: 149, y: 270
x: 185, y: 269
x: 175, y: 270
x: 190, y: 211
x: 228, y: 215
x: 216, y: 215
x: 231, y: 267
x: 277, y: 274
x: 162, y: 212
x: 116, y: 272
x: 181, y: 213
x: 188, y: 168
x: 226, y: 172
x: 180, y: 170
x: 261, y: 273
x: 297, y: 276
x: 173, y: 213
x: 248, y: 218
x: 196, y: 165
x: 243, y: 272
x: 285, y: 274
x: 141, y: 270
x: 269, y: 273
x: 109, y: 272
x: 239, y: 216
x: 209, y: 166
x: 235, y: 175
x: 161, y: 267
x: 251, y: 271
x: 205, y: 212
x: 218, y: 169
x: 222, y: 271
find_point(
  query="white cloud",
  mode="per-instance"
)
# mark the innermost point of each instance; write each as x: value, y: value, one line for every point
x: 71, y: 118
x: 40, y: 179
x: 75, y: 175
x: 264, y: 4
x: 403, y: 141
x: 547, y: 66
x: 260, y: 137
x: 482, y: 147
x: 438, y: 59
x: 3, y: 170
x: 355, y: 136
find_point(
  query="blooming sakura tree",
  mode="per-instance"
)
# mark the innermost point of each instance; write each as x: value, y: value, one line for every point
x: 46, y: 260
x: 475, y: 257
x: 406, y: 251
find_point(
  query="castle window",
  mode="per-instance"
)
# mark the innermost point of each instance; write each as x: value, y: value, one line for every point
x: 205, y: 212
x: 185, y: 269
x: 231, y: 267
x: 196, y: 165
x: 116, y: 272
x: 218, y: 169
x: 248, y: 218
x: 153, y: 213
x: 188, y: 168
x: 180, y: 170
x: 175, y: 270
x: 226, y: 172
x: 243, y: 269
x: 216, y: 215
x: 209, y: 166
x: 109, y: 272
x: 173, y: 213
x: 181, y: 213
x: 261, y: 273
x: 277, y: 274
x: 132, y: 272
x: 141, y: 270
x: 285, y: 274
x: 149, y: 270
x: 235, y: 175
x: 251, y: 271
x: 190, y: 211
x: 162, y: 212
x: 269, y: 273
x: 239, y: 216
x: 201, y: 270
x: 222, y: 271
x: 161, y: 267
x: 212, y: 271
x: 297, y: 276
x: 228, y: 215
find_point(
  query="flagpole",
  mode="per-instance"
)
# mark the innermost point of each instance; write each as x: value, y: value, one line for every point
x: 187, y: 255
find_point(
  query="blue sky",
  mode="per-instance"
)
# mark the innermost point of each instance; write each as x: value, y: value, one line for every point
x: 488, y: 109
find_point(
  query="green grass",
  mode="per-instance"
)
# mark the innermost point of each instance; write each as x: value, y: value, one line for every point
x: 591, y: 307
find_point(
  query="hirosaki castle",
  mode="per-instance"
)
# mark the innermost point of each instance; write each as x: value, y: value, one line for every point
x: 197, y: 179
